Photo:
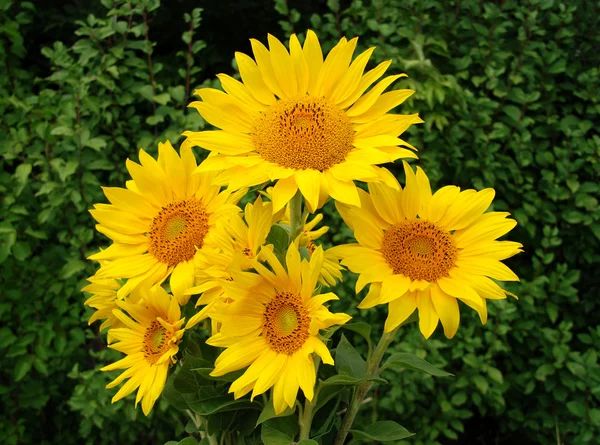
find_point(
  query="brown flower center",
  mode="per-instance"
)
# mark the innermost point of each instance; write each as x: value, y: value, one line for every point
x: 304, y: 133
x: 156, y: 342
x: 286, y: 322
x: 177, y: 230
x: 419, y: 250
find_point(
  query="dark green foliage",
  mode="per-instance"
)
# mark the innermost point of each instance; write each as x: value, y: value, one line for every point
x: 509, y: 94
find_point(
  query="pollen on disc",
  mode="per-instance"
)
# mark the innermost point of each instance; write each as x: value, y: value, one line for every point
x: 286, y: 323
x: 419, y: 250
x: 177, y: 231
x: 304, y: 133
x: 155, y: 343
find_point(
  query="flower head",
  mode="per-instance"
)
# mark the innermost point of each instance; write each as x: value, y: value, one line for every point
x: 303, y: 121
x: 160, y: 221
x: 273, y: 329
x: 150, y: 340
x: 426, y: 251
x: 237, y: 244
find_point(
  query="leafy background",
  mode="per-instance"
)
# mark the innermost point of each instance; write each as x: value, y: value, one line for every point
x: 509, y: 94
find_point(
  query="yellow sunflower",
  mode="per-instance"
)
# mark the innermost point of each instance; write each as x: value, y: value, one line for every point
x: 103, y: 299
x: 150, y: 341
x: 160, y: 221
x: 273, y: 329
x: 331, y: 271
x: 426, y: 252
x: 302, y: 121
x: 237, y: 242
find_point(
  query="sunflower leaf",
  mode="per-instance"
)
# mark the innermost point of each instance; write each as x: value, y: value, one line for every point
x: 384, y: 431
x: 348, y: 360
x: 279, y: 431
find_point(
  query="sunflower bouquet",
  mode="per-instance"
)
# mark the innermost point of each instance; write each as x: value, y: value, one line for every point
x: 225, y: 309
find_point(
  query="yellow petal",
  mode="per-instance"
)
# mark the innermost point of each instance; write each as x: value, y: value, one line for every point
x: 263, y: 60
x: 343, y: 191
x: 182, y: 279
x: 411, y: 196
x: 252, y: 78
x: 428, y: 317
x: 131, y: 202
x: 393, y: 287
x: 283, y: 69
x: 384, y: 103
x: 283, y: 192
x: 240, y: 91
x: 387, y: 201
x: 447, y: 309
x: 466, y: 208
x: 309, y: 182
x: 365, y: 82
x: 224, y: 118
x: 173, y: 167
x: 300, y: 65
x: 350, y: 80
x: 399, y: 310
x: 363, y: 104
x: 314, y: 60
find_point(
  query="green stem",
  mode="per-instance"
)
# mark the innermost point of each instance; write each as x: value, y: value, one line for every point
x: 198, y: 422
x: 295, y: 216
x: 361, y: 391
x: 305, y: 420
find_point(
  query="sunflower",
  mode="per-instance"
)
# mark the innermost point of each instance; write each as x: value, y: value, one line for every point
x: 237, y: 242
x: 273, y: 328
x: 302, y: 121
x: 426, y: 252
x: 160, y: 221
x: 331, y: 271
x: 150, y: 341
x: 103, y: 299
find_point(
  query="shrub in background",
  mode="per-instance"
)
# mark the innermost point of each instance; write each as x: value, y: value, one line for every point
x: 509, y: 94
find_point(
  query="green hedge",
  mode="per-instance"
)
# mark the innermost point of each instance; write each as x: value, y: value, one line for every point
x: 509, y: 94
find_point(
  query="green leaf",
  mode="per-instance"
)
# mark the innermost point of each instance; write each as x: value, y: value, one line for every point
x: 279, y: 237
x: 481, y: 383
x: 162, y: 99
x: 205, y: 406
x: 458, y: 399
x: 268, y: 413
x: 72, y: 267
x: 577, y: 408
x: 22, y: 367
x: 279, y: 431
x: 361, y: 328
x: 495, y: 374
x: 230, y: 377
x: 348, y: 360
x: 384, y: 431
x: 21, y: 250
x: 513, y: 112
x: 308, y: 442
x: 96, y: 144
x: 405, y: 360
x: 348, y: 380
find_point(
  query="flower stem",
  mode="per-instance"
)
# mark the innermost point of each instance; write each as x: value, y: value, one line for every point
x: 295, y: 216
x: 361, y: 391
x: 306, y: 420
x: 306, y: 416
